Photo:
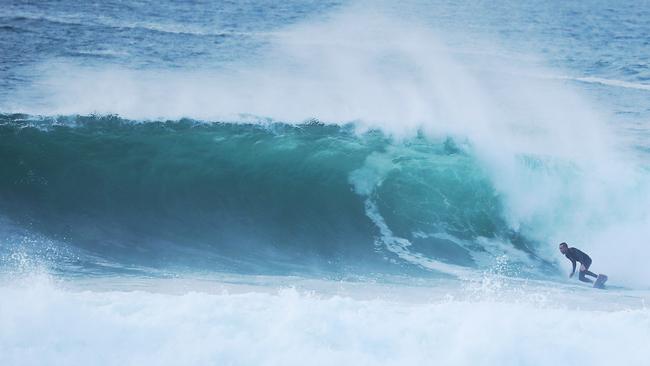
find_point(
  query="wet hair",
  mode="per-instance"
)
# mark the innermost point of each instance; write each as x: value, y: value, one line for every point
x: 563, y: 243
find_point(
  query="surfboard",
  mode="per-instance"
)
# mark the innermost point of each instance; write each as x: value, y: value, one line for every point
x: 600, y: 281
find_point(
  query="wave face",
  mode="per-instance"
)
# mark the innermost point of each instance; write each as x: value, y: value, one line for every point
x: 250, y: 198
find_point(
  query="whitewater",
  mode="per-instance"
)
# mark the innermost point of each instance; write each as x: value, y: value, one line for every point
x: 261, y: 183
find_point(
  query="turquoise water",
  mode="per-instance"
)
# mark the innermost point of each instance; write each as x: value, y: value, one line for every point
x: 246, y: 198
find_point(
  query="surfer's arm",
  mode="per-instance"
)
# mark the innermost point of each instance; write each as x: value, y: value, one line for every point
x: 573, y: 271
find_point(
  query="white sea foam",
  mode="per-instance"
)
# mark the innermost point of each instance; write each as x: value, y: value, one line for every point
x: 44, y: 324
x: 613, y: 82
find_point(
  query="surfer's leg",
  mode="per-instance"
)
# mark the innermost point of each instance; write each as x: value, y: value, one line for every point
x: 582, y: 277
x: 586, y: 270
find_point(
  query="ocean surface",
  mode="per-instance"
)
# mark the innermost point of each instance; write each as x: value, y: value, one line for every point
x: 323, y: 182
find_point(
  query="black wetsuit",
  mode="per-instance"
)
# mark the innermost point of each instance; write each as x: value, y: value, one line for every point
x: 576, y: 255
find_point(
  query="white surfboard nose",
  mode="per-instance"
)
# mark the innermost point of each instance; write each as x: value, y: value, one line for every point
x: 600, y: 281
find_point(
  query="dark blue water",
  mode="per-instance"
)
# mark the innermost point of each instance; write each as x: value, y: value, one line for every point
x: 602, y: 39
x: 122, y: 147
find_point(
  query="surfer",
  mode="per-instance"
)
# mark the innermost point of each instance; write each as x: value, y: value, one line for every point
x: 577, y: 255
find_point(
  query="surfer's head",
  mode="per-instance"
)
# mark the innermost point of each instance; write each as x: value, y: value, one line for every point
x: 563, y: 247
